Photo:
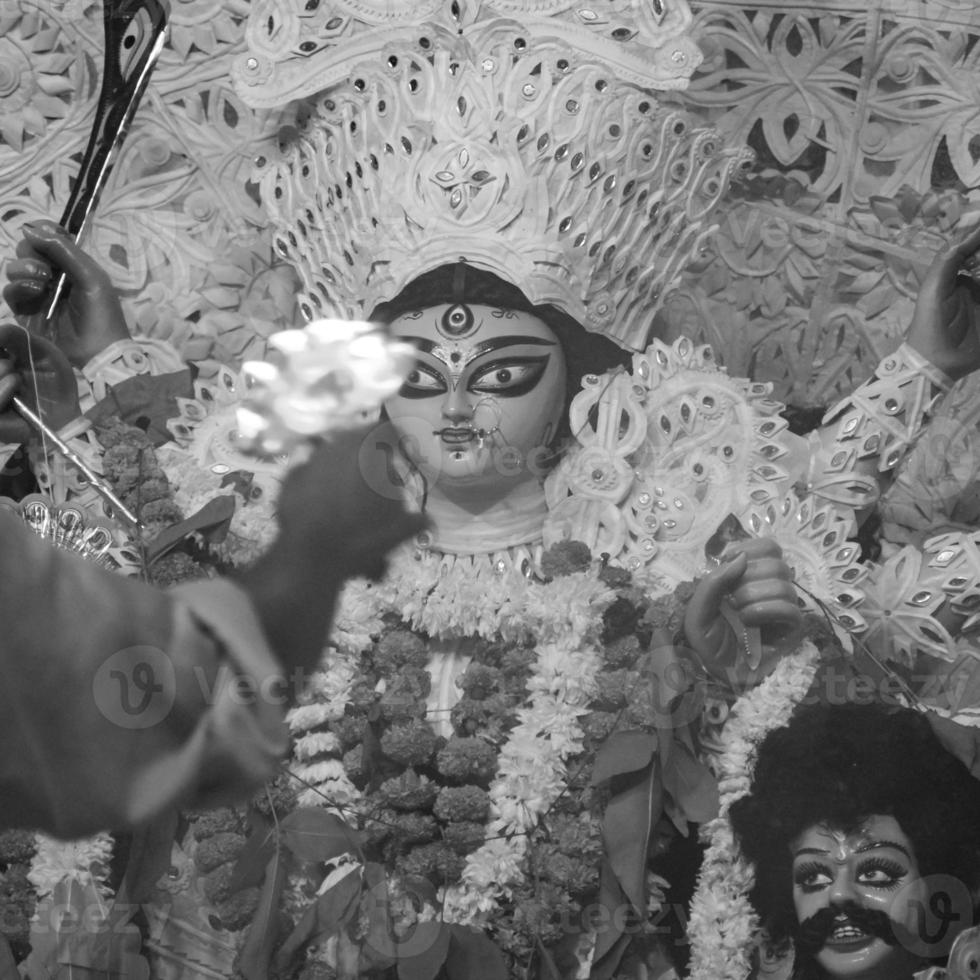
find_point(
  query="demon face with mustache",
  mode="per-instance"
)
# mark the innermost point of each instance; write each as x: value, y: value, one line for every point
x: 858, y: 898
x: 865, y: 834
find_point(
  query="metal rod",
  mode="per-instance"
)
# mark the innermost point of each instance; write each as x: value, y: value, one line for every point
x: 98, y: 484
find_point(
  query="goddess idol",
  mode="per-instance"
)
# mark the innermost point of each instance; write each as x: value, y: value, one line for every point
x: 530, y: 709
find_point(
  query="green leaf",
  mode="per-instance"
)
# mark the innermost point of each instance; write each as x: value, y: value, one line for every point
x: 337, y: 904
x: 605, y: 967
x: 423, y: 953
x: 314, y: 835
x: 378, y: 951
x: 420, y: 890
x: 85, y: 952
x: 371, y: 754
x: 610, y: 898
x: 676, y: 815
x: 211, y: 520
x: 550, y: 971
x: 623, y: 752
x: 324, y: 918
x: 673, y: 705
x: 8, y: 965
x: 632, y: 812
x: 146, y: 401
x: 255, y: 955
x: 961, y: 741
x: 259, y: 847
x: 473, y: 956
x: 149, y: 858
x: 691, y: 784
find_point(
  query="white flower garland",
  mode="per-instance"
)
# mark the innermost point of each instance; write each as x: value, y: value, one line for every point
x: 85, y: 861
x: 448, y: 596
x: 83, y: 864
x: 531, y: 775
x: 722, y: 925
x: 531, y: 772
x: 316, y: 754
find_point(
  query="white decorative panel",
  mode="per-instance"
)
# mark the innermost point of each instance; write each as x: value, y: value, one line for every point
x: 866, y: 124
x: 865, y: 120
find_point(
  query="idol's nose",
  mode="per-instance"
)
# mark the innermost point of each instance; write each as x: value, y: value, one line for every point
x: 842, y: 890
x: 457, y: 407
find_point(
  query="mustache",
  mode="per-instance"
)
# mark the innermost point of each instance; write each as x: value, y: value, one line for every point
x: 813, y: 932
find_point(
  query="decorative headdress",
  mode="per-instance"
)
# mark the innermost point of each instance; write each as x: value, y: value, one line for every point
x: 520, y: 136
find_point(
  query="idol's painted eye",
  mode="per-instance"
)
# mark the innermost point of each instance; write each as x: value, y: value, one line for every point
x: 422, y: 382
x: 812, y: 876
x: 509, y: 378
x: 879, y: 872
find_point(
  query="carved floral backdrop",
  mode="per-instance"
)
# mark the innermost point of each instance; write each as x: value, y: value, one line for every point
x: 865, y: 119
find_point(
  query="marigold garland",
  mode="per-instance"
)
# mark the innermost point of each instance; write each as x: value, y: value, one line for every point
x: 500, y: 814
x: 18, y: 896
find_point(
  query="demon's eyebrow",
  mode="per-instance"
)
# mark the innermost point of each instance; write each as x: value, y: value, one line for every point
x: 870, y: 845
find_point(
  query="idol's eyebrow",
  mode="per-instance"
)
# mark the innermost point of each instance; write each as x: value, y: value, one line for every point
x: 819, y: 851
x: 427, y: 346
x: 496, y: 343
x: 424, y: 345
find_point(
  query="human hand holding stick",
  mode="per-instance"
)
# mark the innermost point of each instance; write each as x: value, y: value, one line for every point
x: 754, y: 586
x: 135, y: 32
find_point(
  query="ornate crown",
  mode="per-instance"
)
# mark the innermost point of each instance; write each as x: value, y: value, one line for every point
x: 522, y: 137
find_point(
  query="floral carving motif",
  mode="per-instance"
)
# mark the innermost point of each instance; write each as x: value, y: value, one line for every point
x: 40, y: 73
x: 789, y: 81
x: 867, y: 139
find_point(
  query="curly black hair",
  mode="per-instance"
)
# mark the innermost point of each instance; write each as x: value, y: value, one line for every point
x: 839, y: 765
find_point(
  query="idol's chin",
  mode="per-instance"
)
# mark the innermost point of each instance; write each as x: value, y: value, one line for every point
x: 459, y: 464
x: 861, y: 956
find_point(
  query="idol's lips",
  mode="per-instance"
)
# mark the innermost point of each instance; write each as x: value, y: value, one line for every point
x: 847, y: 937
x: 456, y: 435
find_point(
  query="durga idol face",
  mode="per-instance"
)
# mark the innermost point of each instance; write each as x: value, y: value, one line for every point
x: 482, y: 402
